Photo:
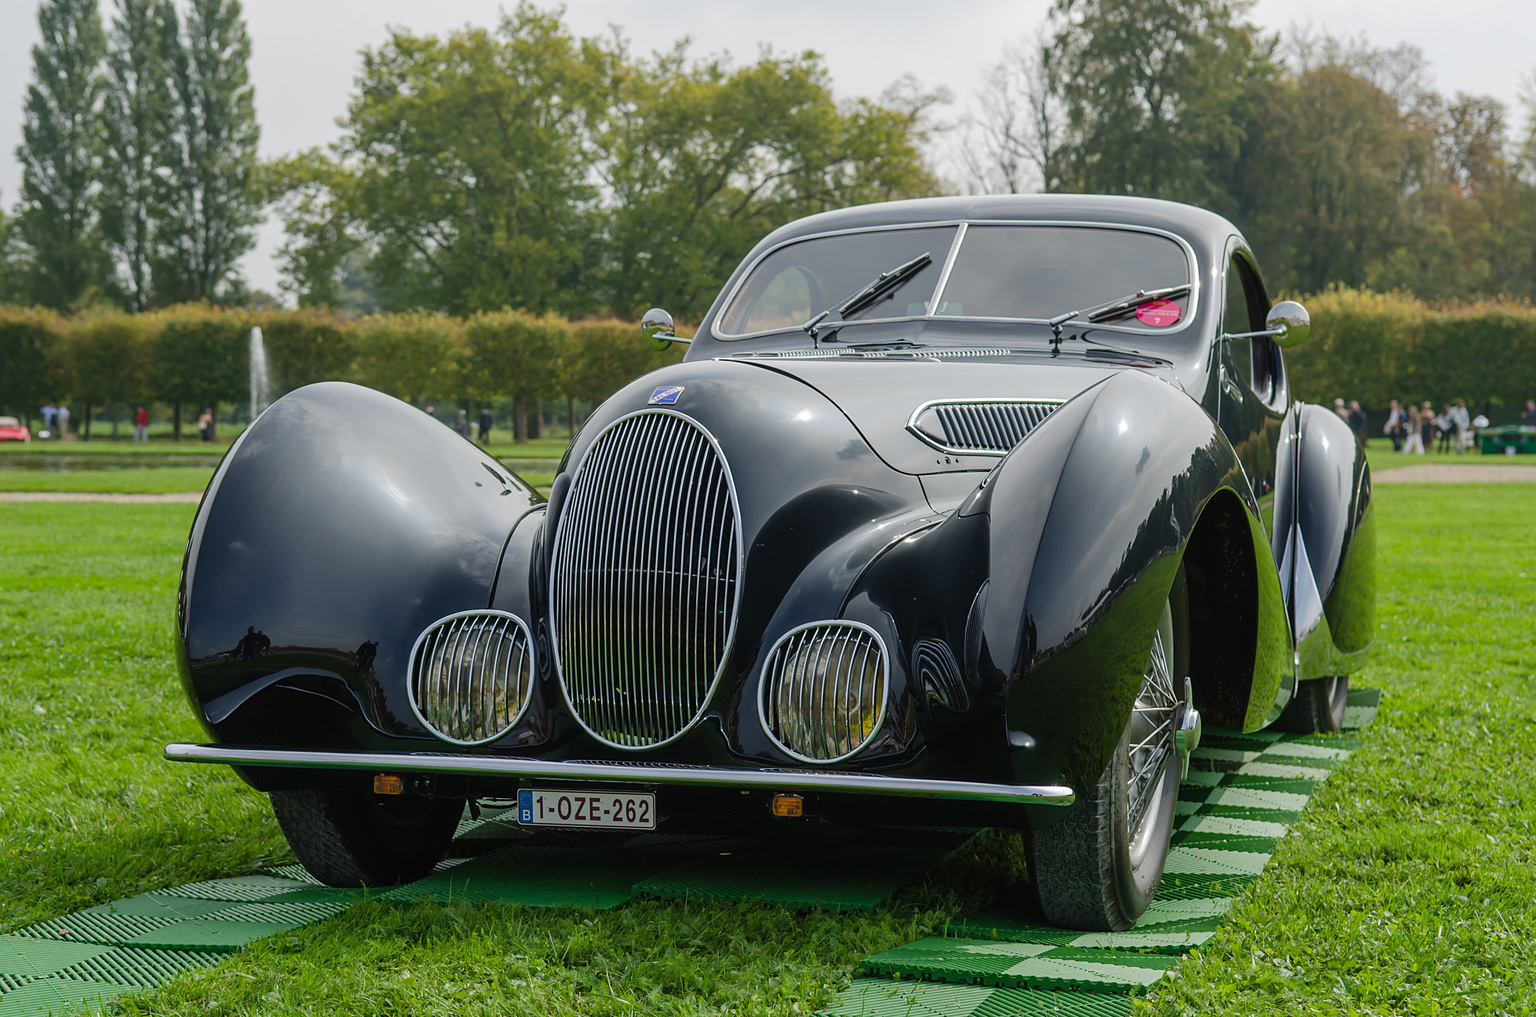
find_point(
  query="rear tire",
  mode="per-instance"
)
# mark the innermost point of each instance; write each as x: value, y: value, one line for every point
x: 1098, y: 868
x: 1317, y: 706
x: 356, y: 839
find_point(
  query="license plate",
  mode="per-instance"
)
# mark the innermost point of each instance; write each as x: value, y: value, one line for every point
x: 604, y: 811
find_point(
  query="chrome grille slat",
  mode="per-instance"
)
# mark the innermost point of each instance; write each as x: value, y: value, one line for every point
x: 979, y: 427
x: 471, y: 675
x: 645, y: 579
x: 817, y: 684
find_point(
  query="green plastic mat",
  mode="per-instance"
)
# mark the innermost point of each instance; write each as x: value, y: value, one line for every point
x: 1241, y: 795
x: 816, y: 870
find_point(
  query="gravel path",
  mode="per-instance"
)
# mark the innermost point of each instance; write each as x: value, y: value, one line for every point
x: 130, y: 499
x: 1456, y: 473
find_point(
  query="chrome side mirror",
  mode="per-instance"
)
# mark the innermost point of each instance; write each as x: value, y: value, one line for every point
x: 1289, y: 323
x: 658, y: 329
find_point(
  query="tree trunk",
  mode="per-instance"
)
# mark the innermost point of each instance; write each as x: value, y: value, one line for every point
x: 112, y: 411
x: 85, y: 430
x: 519, y: 421
x: 570, y: 417
x: 176, y: 421
x: 536, y: 425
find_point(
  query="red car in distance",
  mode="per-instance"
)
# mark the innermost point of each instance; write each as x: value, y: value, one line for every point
x: 12, y: 429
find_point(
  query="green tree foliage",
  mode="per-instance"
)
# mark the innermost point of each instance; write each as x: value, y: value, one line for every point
x: 703, y: 160
x: 468, y: 163
x: 201, y: 356
x: 410, y: 356
x: 1158, y: 95
x: 603, y: 356
x: 107, y: 358
x: 26, y: 335
x: 306, y: 346
x: 526, y: 167
x: 139, y: 114
x: 211, y: 194
x: 60, y: 157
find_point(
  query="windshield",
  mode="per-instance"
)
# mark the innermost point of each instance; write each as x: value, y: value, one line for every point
x: 1042, y: 271
x: 797, y: 282
x: 1008, y: 272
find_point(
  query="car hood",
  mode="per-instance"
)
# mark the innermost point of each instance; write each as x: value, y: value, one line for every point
x: 880, y: 396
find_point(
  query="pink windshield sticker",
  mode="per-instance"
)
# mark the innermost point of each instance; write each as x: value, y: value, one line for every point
x: 1158, y: 313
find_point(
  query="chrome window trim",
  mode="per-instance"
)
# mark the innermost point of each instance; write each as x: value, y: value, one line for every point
x: 913, y: 429
x: 741, y: 560
x: 762, y: 687
x: 963, y: 224
x: 410, y: 673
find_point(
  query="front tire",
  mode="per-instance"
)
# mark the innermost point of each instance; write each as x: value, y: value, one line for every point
x: 1098, y: 868
x: 354, y: 839
x: 1317, y: 706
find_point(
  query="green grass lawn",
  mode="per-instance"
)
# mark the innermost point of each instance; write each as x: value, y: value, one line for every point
x: 1407, y: 887
x: 1381, y: 457
x: 156, y: 480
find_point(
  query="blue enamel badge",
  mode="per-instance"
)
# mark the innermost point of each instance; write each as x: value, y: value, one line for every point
x: 666, y: 395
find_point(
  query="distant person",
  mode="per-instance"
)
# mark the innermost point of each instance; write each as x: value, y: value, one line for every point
x: 1413, y: 428
x: 1356, y: 421
x: 50, y: 414
x: 1445, y: 428
x: 1341, y: 410
x: 1395, y: 427
x: 205, y: 424
x: 431, y: 411
x: 485, y: 425
x: 1463, y: 422
x: 63, y: 421
x: 1530, y: 413
x: 140, y: 423
x: 461, y: 425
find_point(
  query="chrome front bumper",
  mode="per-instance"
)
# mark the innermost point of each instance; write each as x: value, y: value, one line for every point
x: 628, y: 773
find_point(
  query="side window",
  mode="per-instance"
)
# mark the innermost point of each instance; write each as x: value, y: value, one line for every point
x: 1246, y: 311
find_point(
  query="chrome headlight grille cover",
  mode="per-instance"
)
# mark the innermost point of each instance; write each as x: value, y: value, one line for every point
x: 824, y: 690
x: 645, y: 579
x: 978, y: 426
x: 471, y: 675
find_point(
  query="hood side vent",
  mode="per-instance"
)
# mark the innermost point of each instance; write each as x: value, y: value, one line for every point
x: 990, y: 427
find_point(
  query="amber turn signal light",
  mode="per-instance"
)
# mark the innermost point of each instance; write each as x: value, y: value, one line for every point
x: 388, y: 784
x: 788, y: 806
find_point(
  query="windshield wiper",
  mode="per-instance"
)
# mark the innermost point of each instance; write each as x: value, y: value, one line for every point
x: 1100, y: 312
x: 878, y: 287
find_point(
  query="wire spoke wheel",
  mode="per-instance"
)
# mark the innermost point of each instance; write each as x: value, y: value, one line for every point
x: 1098, y: 868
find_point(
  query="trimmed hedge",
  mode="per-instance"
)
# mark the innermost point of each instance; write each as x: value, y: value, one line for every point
x: 1367, y: 346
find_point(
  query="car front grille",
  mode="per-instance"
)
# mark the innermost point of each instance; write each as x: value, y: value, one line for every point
x: 645, y: 575
x: 993, y: 427
x: 471, y: 675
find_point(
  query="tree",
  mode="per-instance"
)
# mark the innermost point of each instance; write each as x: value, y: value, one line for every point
x: 211, y: 195
x: 201, y: 356
x: 517, y: 354
x: 702, y: 160
x: 26, y: 334
x: 1158, y: 95
x: 410, y: 356
x: 1014, y: 144
x: 106, y: 360
x: 467, y: 165
x: 139, y: 114
x: 60, y: 156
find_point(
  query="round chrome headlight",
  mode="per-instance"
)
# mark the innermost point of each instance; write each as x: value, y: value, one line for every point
x: 472, y: 675
x: 824, y: 690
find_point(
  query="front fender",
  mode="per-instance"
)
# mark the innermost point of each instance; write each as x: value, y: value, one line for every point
x: 339, y: 525
x: 1088, y: 519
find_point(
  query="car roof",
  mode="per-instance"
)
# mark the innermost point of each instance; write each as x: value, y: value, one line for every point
x: 1204, y: 229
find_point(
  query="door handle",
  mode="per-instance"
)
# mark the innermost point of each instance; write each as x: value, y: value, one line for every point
x: 1229, y: 386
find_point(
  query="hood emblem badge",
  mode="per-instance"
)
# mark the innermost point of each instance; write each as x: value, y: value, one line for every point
x: 666, y: 395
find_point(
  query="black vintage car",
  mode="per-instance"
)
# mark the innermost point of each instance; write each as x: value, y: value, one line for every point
x: 961, y: 511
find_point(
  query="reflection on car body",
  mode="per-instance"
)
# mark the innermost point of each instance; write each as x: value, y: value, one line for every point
x: 951, y: 553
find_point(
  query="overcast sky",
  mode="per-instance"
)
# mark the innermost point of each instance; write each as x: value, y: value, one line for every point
x: 305, y: 51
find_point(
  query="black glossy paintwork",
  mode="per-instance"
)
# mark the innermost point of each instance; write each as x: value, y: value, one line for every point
x: 344, y: 522
x: 339, y: 525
